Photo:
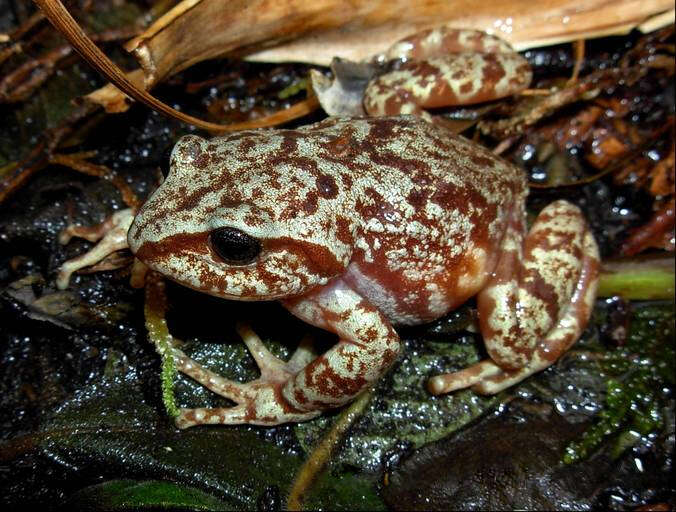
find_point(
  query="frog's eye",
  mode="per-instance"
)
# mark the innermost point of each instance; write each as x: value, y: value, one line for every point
x: 234, y: 246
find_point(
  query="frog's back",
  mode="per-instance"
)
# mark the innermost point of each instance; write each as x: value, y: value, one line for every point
x: 414, y: 212
x: 433, y: 207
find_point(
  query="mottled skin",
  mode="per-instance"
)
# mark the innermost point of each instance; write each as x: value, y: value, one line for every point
x: 365, y: 224
x: 444, y: 67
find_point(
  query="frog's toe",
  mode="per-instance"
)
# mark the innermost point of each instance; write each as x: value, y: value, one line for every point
x: 485, y: 378
x: 258, y: 403
x: 227, y: 388
x: 468, y: 377
x: 252, y: 413
x: 503, y: 380
x: 272, y: 368
x: 210, y: 416
x: 259, y: 410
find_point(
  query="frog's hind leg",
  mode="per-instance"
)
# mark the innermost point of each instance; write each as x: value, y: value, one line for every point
x: 274, y: 373
x: 538, y: 302
x: 443, y: 67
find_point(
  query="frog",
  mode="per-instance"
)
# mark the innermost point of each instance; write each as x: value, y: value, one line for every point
x: 439, y: 67
x: 357, y: 226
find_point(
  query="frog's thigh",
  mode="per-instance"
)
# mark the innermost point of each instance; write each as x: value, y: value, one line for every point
x: 444, y: 40
x: 531, y: 287
x: 458, y: 79
x: 537, y: 304
x: 367, y: 347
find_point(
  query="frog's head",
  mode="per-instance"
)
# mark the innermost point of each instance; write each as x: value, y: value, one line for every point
x: 245, y: 217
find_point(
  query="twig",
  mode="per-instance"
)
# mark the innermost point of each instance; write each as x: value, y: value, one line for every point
x: 77, y: 163
x: 578, y: 47
x: 661, y: 222
x: 638, y: 278
x: 321, y: 454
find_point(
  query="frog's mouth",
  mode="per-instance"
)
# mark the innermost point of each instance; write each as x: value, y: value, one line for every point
x: 186, y: 259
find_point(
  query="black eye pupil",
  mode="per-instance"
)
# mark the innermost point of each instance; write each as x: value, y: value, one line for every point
x: 234, y: 246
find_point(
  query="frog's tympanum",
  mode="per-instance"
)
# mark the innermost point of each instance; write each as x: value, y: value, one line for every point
x: 357, y: 225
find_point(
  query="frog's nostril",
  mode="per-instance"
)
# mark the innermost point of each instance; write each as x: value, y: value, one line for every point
x: 234, y: 246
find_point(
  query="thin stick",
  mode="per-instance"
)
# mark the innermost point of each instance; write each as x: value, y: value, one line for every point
x: 322, y: 453
x: 579, y: 50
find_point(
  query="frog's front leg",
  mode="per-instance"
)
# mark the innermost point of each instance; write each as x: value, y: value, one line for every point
x: 111, y: 235
x: 446, y: 67
x: 286, y: 392
x: 537, y: 303
x: 258, y: 402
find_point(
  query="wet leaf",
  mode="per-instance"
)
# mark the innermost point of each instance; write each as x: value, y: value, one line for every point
x: 345, y: 491
x: 461, y: 472
x: 109, y: 426
x: 141, y: 495
x: 402, y: 410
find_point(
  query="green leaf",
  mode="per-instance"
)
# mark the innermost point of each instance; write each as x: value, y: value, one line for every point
x: 344, y: 492
x: 139, y: 495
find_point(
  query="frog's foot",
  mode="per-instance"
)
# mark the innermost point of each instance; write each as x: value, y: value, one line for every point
x: 528, y: 324
x: 259, y: 402
x: 112, y: 234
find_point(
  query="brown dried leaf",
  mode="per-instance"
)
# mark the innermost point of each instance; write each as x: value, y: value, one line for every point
x: 662, y: 175
x: 607, y: 149
x: 658, y: 232
x: 317, y: 31
x: 642, y: 172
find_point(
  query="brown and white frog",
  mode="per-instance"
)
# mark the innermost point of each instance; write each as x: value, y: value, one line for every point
x: 357, y: 225
x: 439, y: 67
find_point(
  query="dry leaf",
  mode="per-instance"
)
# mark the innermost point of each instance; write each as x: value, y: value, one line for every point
x: 315, y: 32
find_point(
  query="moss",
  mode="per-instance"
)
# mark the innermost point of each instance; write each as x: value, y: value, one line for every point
x: 641, y: 377
x: 155, y: 311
